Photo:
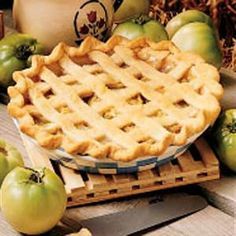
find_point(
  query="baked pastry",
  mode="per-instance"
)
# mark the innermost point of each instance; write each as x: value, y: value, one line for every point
x: 120, y: 99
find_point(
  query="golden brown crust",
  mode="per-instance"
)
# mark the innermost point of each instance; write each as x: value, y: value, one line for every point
x: 120, y: 99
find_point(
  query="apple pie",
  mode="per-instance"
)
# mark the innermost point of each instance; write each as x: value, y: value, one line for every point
x: 120, y: 99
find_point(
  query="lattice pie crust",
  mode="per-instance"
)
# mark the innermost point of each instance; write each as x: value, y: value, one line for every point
x: 120, y: 100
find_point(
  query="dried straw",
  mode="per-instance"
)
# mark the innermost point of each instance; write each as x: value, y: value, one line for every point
x: 223, y: 13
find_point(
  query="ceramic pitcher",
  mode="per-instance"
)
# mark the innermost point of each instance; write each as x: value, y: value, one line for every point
x: 70, y: 21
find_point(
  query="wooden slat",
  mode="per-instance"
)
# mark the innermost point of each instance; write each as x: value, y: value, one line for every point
x: 72, y: 180
x: 176, y: 169
x: 199, y: 165
x: 165, y: 170
x: 101, y: 194
x: 96, y: 181
x: 37, y: 157
x: 207, y: 154
x: 124, y: 190
x: 148, y: 174
x: 186, y: 162
x: 146, y: 189
x: 123, y: 178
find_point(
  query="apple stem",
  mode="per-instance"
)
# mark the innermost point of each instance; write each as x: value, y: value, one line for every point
x: 36, y: 176
x: 232, y: 127
x: 141, y: 20
x: 24, y: 51
x: 3, y: 151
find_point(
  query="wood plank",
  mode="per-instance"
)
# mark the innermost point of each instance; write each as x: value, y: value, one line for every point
x: 124, y: 190
x: 222, y: 193
x: 207, y: 154
x: 208, y: 222
x: 122, y: 178
x: 166, y: 170
x: 148, y: 174
x: 165, y: 231
x: 6, y: 229
x: 138, y: 190
x: 199, y: 165
x: 72, y: 180
x: 186, y: 162
x: 96, y: 181
x: 176, y: 169
x: 36, y: 155
x: 145, y: 177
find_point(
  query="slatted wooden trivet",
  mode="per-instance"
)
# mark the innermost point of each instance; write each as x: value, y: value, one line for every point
x: 197, y: 165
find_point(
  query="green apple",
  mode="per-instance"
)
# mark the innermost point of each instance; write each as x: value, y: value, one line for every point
x: 224, y: 137
x: 10, y: 158
x: 130, y: 8
x: 186, y: 17
x: 142, y: 27
x: 199, y: 38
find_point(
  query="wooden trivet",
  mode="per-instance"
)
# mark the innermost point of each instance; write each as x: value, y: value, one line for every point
x: 197, y: 165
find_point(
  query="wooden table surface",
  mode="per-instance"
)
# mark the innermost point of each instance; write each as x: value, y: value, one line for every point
x: 218, y: 219
x: 208, y: 222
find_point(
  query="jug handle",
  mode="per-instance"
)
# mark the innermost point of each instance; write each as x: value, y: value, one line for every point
x: 116, y: 4
x: 1, y: 24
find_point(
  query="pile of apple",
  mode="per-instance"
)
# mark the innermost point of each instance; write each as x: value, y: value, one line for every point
x: 31, y: 200
x: 191, y: 31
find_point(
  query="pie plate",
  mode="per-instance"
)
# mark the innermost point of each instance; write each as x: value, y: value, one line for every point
x: 107, y: 166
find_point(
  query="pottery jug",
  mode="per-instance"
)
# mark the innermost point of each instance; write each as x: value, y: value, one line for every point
x: 70, y: 21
